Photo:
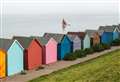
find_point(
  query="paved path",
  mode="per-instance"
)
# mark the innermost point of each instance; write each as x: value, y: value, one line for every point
x: 53, y: 67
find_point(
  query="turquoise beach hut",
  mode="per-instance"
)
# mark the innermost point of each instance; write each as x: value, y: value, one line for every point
x: 64, y: 45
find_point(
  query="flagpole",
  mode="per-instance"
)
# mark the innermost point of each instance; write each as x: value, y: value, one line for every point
x: 63, y: 31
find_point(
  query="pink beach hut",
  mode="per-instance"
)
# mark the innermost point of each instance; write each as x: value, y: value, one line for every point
x: 49, y: 49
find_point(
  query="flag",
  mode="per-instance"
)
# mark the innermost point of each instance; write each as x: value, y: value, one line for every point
x: 64, y: 24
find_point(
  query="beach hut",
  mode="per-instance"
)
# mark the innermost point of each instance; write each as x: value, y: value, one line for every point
x: 106, y: 38
x: 76, y: 41
x: 49, y: 49
x: 119, y: 29
x: 2, y: 63
x: 85, y: 39
x: 11, y: 57
x: 32, y: 52
x: 116, y: 32
x: 64, y: 44
x: 109, y: 33
x: 94, y: 37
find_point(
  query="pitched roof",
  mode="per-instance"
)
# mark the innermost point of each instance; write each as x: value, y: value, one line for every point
x: 108, y: 28
x: 57, y: 37
x: 5, y: 43
x: 119, y: 26
x: 116, y: 26
x: 81, y: 35
x: 42, y: 40
x: 72, y: 37
x: 91, y: 32
x: 24, y: 41
x: 100, y: 32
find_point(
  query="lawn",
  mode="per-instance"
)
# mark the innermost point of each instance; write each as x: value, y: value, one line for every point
x: 103, y: 69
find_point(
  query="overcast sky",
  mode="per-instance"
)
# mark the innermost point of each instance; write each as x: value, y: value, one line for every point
x: 60, y: 6
x: 45, y: 15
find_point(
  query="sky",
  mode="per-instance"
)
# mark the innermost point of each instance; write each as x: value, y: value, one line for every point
x: 60, y: 6
x: 34, y: 17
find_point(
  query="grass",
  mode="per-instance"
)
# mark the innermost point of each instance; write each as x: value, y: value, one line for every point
x: 102, y: 69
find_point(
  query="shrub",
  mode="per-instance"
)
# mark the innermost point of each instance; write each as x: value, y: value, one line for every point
x: 116, y: 42
x: 89, y: 50
x: 80, y: 53
x: 106, y: 46
x: 75, y: 55
x: 98, y: 48
x: 77, y: 52
x: 70, y: 56
x: 83, y: 52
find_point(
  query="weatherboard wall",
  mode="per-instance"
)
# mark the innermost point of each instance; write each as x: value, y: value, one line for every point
x: 33, y: 55
x: 2, y: 63
x: 50, y: 52
x: 86, y: 42
x: 64, y: 47
x: 107, y: 37
x: 115, y: 35
x: 76, y: 44
x: 14, y: 59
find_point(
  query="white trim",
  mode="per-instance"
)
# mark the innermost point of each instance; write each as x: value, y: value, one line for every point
x: 116, y: 29
x: 18, y: 44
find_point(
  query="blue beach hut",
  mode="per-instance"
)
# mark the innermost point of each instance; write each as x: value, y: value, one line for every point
x: 108, y: 33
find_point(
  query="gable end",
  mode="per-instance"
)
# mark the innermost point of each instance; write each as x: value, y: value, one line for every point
x: 66, y: 38
x: 116, y: 29
x: 15, y: 41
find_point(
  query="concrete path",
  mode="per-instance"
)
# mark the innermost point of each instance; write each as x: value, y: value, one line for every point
x: 52, y: 67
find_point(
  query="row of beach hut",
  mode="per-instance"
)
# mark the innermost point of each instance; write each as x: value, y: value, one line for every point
x: 26, y: 53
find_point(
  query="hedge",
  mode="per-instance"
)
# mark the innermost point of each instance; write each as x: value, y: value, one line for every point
x: 80, y: 53
x: 75, y: 55
x: 83, y: 52
x: 98, y: 48
x: 70, y: 56
x: 89, y: 50
x: 106, y: 46
x: 116, y: 42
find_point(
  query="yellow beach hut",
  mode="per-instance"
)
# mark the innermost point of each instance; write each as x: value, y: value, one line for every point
x: 4, y: 46
x: 2, y: 63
